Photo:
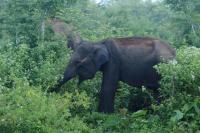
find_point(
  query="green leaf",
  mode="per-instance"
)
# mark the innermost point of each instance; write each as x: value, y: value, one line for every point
x: 139, y: 113
x: 112, y: 121
x: 186, y: 108
x: 178, y: 116
x: 196, y: 109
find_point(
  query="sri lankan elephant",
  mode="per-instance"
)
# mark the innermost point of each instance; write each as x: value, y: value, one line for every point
x: 129, y: 59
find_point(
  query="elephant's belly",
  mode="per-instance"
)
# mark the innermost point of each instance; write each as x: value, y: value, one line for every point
x: 139, y: 75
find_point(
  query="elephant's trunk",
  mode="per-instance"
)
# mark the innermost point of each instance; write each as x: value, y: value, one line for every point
x: 69, y: 73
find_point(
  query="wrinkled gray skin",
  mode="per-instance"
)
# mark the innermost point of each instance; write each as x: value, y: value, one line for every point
x: 129, y: 60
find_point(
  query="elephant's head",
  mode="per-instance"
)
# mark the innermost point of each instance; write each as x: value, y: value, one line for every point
x: 86, y: 60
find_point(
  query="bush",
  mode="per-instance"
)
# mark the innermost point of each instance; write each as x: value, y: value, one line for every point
x: 182, y: 74
x: 27, y: 109
x: 181, y: 89
x: 41, y: 66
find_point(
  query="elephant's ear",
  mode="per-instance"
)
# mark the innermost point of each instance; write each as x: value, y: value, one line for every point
x: 74, y: 40
x: 101, y: 56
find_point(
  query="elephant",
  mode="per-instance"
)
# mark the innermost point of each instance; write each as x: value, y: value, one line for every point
x: 127, y: 59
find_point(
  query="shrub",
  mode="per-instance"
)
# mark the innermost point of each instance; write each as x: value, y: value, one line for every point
x: 183, y: 73
x: 27, y: 109
x: 180, y: 85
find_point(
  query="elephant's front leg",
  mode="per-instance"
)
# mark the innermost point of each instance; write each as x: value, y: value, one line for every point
x: 108, y: 89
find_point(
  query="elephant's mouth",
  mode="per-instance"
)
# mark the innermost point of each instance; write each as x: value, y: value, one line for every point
x: 83, y: 78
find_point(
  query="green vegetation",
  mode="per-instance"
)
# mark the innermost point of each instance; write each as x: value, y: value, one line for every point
x: 33, y: 58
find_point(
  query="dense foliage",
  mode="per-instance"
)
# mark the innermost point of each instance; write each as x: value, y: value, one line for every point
x: 33, y: 58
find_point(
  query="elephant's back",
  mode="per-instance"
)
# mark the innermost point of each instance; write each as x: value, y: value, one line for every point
x: 135, y: 41
x: 142, y: 47
x: 139, y: 49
